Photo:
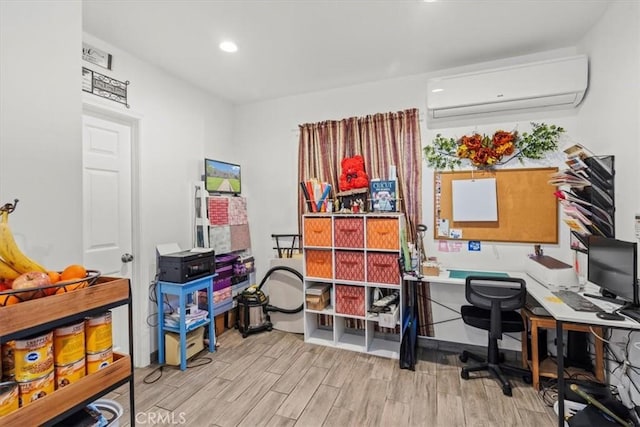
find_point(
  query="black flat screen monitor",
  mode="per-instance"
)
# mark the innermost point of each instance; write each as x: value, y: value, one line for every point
x: 222, y: 177
x: 612, y: 265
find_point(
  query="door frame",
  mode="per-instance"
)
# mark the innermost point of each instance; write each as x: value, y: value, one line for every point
x: 141, y: 347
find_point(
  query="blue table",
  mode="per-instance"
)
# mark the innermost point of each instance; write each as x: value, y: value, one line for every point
x: 182, y: 290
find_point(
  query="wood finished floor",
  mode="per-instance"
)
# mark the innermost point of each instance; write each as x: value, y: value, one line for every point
x: 275, y: 379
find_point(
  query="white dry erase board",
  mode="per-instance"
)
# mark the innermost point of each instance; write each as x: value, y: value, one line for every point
x: 474, y: 199
x: 527, y: 208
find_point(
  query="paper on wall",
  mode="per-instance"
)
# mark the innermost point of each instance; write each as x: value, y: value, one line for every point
x: 443, y: 227
x: 474, y: 199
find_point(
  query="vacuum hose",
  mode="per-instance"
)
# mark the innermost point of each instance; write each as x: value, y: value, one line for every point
x: 266, y: 277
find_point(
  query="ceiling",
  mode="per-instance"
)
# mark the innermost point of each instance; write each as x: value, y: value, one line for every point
x: 288, y: 47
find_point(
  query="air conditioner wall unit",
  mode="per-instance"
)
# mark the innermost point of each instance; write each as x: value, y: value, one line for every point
x: 550, y: 83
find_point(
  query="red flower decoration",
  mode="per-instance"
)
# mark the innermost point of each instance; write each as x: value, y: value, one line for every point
x: 484, y: 151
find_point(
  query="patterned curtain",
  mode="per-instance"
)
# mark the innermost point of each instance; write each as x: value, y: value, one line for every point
x: 382, y: 139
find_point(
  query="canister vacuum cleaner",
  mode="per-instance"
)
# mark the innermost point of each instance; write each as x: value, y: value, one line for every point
x: 252, y: 312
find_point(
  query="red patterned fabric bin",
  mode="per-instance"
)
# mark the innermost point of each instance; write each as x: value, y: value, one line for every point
x: 318, y: 263
x: 349, y: 232
x: 218, y: 210
x: 317, y: 232
x: 350, y: 300
x: 382, y: 233
x: 383, y: 268
x: 350, y: 265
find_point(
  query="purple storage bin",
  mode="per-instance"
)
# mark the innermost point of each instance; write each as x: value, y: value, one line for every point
x: 219, y: 284
x: 224, y: 272
x: 225, y: 259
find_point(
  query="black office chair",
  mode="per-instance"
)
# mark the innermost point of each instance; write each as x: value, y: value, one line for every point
x: 494, y: 301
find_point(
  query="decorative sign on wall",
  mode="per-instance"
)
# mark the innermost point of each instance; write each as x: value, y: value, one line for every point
x: 96, y: 56
x: 104, y: 86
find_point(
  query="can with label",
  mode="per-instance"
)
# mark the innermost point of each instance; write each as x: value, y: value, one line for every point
x: 97, y: 361
x: 98, y: 335
x: 70, y: 373
x: 33, y: 357
x: 8, y: 397
x: 68, y: 344
x: 33, y: 390
x: 8, y: 363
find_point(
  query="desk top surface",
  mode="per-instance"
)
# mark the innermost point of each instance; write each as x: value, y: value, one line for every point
x: 558, y: 309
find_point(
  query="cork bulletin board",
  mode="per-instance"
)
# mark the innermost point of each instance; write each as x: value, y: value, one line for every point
x: 527, y: 207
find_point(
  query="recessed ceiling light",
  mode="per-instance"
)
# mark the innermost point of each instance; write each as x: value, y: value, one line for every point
x: 228, y: 46
x: 437, y: 90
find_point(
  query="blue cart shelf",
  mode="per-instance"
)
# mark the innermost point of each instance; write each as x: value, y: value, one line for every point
x: 183, y: 290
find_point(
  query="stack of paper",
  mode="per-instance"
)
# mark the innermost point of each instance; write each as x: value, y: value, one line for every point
x: 173, y: 320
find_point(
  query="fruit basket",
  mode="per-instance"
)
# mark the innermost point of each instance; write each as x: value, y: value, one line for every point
x: 15, y: 296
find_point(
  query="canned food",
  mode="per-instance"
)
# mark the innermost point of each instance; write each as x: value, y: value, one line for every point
x: 68, y: 344
x: 31, y: 391
x: 8, y: 397
x: 34, y: 357
x: 98, y: 333
x: 70, y: 373
x: 97, y: 361
x: 8, y: 365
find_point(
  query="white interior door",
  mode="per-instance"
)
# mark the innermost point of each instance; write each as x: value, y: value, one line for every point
x: 107, y: 214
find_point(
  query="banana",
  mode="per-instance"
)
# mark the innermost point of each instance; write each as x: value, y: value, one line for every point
x: 6, y: 272
x: 10, y: 252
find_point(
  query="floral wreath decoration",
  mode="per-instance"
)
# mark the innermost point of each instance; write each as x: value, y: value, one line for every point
x: 486, y: 152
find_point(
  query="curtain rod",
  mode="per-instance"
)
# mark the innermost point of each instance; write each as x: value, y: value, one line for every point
x: 421, y: 117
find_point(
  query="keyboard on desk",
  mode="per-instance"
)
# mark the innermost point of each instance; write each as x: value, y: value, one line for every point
x: 577, y: 301
x: 632, y: 313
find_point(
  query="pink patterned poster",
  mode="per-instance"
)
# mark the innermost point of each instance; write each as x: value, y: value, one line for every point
x: 240, y: 238
x: 238, y: 211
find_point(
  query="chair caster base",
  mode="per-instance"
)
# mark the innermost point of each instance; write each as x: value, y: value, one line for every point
x: 506, y: 390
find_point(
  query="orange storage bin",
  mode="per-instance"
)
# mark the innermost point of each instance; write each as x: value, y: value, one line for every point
x: 382, y: 233
x: 317, y: 232
x: 383, y: 268
x: 349, y: 232
x: 350, y: 265
x: 319, y: 263
x: 350, y: 300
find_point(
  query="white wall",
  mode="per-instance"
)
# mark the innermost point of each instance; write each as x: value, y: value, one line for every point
x: 609, y: 123
x: 40, y: 127
x: 41, y: 143
x: 180, y: 125
x: 270, y: 129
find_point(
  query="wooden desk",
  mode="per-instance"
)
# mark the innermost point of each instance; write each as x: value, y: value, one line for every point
x: 537, y: 366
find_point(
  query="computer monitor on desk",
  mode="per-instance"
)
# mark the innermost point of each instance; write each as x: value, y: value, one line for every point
x: 612, y: 265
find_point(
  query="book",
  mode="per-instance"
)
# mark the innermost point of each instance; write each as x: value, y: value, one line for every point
x: 383, y: 196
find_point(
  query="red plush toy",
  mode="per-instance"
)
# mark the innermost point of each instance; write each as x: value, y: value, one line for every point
x: 353, y: 174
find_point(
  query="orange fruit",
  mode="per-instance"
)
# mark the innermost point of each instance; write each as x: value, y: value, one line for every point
x: 73, y: 271
x: 8, y: 300
x: 54, y: 276
x: 71, y: 287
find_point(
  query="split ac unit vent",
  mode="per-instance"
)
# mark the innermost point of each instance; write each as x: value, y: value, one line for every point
x: 556, y: 82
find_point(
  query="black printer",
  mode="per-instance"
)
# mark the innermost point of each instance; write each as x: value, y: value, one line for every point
x: 185, y: 266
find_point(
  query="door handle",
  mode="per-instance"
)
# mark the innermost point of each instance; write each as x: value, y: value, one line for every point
x: 126, y: 258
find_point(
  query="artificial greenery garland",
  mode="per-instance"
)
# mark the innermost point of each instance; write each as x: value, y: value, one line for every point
x: 486, y: 152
